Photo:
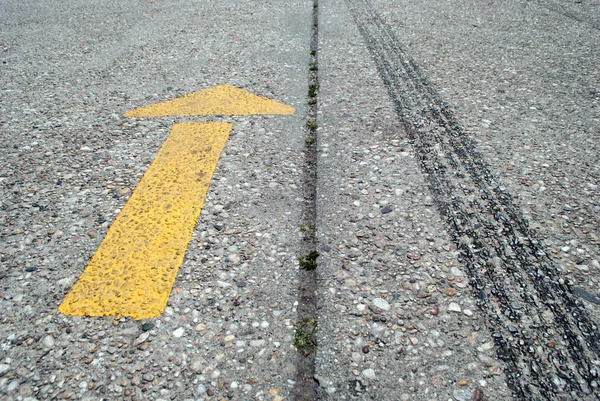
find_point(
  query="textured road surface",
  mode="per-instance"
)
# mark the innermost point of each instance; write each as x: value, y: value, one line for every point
x: 456, y: 209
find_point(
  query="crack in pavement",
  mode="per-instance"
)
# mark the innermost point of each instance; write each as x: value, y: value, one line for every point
x: 305, y: 387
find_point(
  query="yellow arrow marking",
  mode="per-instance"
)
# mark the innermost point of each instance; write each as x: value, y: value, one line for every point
x: 224, y: 100
x: 133, y: 270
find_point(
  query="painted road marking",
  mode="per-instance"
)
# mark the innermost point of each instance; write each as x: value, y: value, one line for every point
x: 133, y: 270
x: 223, y: 100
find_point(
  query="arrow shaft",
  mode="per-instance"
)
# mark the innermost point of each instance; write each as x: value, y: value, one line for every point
x: 133, y: 270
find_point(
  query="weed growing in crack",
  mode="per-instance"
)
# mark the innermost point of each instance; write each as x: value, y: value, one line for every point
x: 304, y: 336
x: 311, y: 124
x: 309, y: 261
x: 305, y: 228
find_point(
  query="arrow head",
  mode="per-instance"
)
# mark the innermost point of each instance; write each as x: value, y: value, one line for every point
x: 223, y: 100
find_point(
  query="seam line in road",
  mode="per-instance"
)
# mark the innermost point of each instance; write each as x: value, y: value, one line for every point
x: 305, y: 387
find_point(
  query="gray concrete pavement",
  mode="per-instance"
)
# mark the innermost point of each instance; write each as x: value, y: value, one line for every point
x: 499, y: 109
x: 70, y: 160
x: 457, y: 199
x: 397, y: 317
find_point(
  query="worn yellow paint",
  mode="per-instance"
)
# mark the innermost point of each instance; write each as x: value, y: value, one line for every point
x: 224, y: 100
x: 133, y: 270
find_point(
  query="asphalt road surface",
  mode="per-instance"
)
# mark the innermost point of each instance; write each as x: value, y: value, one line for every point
x: 442, y: 159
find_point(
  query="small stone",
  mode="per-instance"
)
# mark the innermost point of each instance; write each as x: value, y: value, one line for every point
x: 12, y: 386
x: 381, y: 304
x: 450, y: 292
x: 438, y: 381
x: 210, y: 392
x: 30, y: 269
x: 200, y: 327
x: 468, y: 312
x: 201, y: 389
x: 124, y: 191
x: 434, y: 311
x: 274, y: 391
x: 85, y: 149
x: 179, y: 332
x: 195, y: 366
x: 369, y: 373
x: 365, y: 349
x: 463, y: 382
x: 462, y: 395
x: 257, y: 343
x: 143, y: 337
x: 477, y: 395
x: 3, y: 368
x: 148, y: 377
x: 486, y: 360
x: 48, y: 341
x: 147, y: 326
x: 91, y: 234
x: 454, y: 307
x: 487, y: 346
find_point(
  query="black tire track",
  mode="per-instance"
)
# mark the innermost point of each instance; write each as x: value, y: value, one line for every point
x: 543, y: 334
x: 561, y: 10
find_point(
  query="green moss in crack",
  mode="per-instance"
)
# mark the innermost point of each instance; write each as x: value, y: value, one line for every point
x: 304, y: 336
x: 311, y: 124
x: 309, y: 261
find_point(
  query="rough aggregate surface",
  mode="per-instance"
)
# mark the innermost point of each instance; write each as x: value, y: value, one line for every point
x: 456, y: 184
x: 70, y: 161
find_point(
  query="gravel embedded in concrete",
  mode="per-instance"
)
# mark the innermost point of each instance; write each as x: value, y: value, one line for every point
x: 399, y: 311
x: 70, y: 161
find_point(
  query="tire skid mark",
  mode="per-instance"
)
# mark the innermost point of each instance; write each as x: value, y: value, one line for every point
x: 561, y: 10
x: 544, y: 336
